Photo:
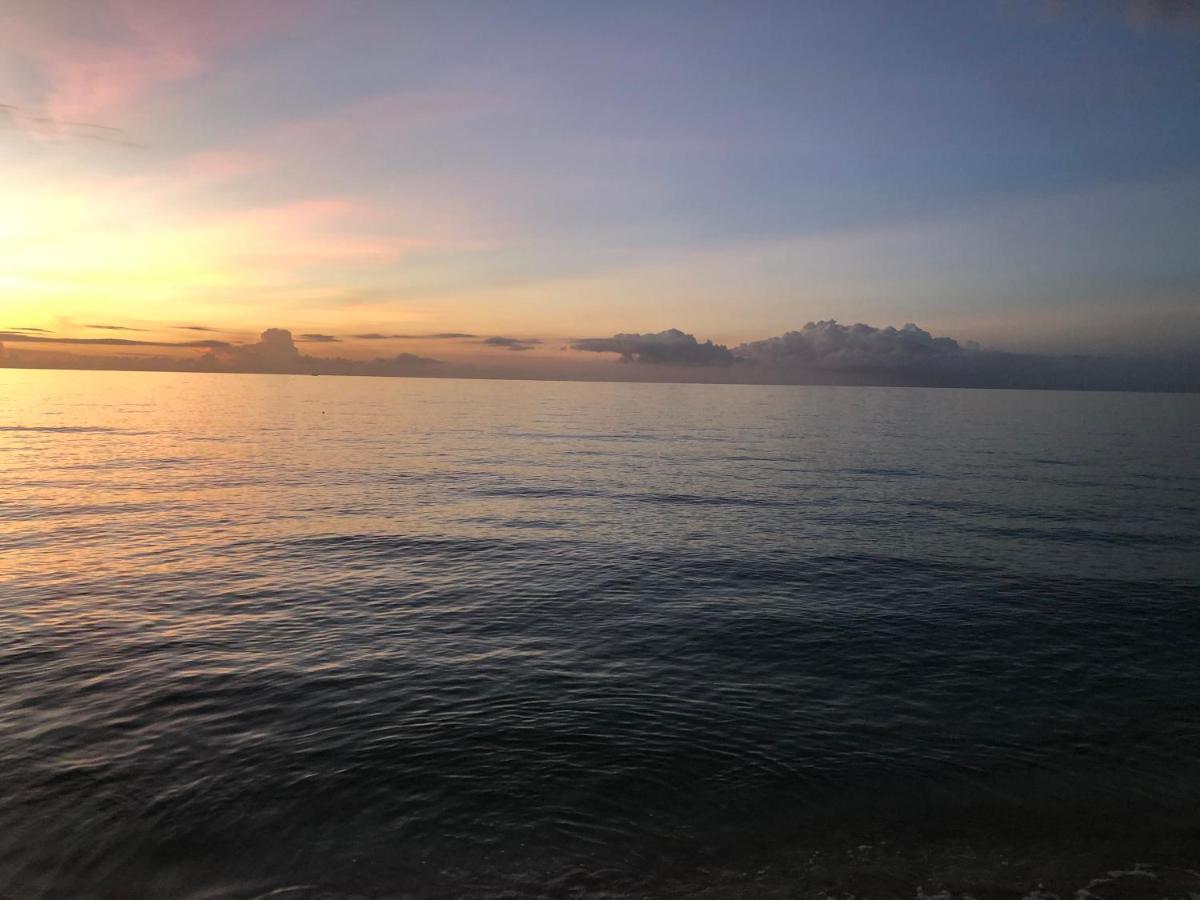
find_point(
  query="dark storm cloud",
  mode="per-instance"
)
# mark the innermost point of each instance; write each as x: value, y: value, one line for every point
x: 671, y: 347
x: 318, y: 339
x: 16, y: 336
x: 828, y: 352
x: 510, y: 343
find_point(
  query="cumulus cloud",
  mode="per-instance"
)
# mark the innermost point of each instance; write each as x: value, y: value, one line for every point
x: 828, y: 344
x: 276, y: 352
x: 510, y: 343
x: 823, y: 352
x: 831, y: 353
x: 670, y: 347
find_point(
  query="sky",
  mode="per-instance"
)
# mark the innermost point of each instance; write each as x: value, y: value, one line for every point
x: 503, y: 185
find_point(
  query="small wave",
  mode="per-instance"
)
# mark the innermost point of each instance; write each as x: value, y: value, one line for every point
x: 148, y: 464
x: 703, y: 500
x: 547, y: 492
x: 68, y: 429
x: 1057, y: 462
x: 1089, y: 536
x: 652, y: 498
x: 583, y: 436
x: 889, y: 473
x: 386, y: 544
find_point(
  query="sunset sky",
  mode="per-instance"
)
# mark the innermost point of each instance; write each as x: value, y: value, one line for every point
x: 1022, y: 174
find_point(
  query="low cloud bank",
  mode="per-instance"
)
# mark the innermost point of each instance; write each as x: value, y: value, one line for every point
x: 829, y: 352
x: 439, y: 336
x: 276, y: 352
x: 824, y: 352
x: 671, y: 347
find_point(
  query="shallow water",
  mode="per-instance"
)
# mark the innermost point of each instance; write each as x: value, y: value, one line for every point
x: 449, y: 638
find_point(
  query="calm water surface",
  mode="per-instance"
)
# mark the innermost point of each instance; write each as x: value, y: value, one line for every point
x: 452, y: 638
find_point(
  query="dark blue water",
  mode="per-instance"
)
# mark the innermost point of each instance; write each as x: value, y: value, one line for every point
x: 450, y: 638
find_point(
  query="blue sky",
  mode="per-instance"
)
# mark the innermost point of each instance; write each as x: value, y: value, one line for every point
x: 1020, y: 173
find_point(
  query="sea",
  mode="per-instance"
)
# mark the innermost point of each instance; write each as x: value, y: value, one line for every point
x: 323, y: 637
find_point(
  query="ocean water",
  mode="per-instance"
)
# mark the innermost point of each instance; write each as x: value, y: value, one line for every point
x: 302, y: 637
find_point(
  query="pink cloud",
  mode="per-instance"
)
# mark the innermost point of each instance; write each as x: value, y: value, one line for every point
x: 100, y: 64
x: 193, y: 172
x: 311, y: 232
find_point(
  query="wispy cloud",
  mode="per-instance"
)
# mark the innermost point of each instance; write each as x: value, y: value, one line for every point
x: 21, y: 118
x: 307, y: 232
x: 104, y: 62
x: 441, y: 336
x: 1177, y: 11
x: 397, y: 111
x: 670, y: 347
x: 311, y: 338
x: 23, y: 337
x: 511, y: 343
